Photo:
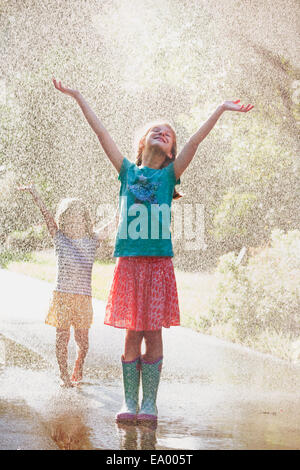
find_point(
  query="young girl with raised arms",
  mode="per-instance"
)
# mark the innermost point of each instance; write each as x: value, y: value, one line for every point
x: 143, y: 296
x: 75, y: 245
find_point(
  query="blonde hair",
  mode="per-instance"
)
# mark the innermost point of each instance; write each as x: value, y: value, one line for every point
x: 73, y: 204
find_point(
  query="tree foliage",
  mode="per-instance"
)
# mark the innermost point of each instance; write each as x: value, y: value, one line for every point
x: 137, y: 62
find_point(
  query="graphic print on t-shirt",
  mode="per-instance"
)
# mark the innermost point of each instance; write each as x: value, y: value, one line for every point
x: 144, y: 190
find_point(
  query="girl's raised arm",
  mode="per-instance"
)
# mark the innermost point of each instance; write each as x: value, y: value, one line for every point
x: 187, y: 153
x: 105, y: 139
x: 51, y: 224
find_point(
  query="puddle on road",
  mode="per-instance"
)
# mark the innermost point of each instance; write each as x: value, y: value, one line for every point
x: 192, y: 415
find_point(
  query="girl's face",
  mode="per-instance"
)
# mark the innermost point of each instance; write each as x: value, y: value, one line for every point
x: 161, y: 136
x: 74, y: 224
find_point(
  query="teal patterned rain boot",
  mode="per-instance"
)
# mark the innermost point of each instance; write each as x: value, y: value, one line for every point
x: 150, y: 380
x: 131, y: 382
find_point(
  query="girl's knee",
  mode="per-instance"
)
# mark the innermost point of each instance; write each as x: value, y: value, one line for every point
x: 62, y: 335
x: 153, y: 337
x: 154, y: 345
x: 134, y: 337
x: 133, y: 344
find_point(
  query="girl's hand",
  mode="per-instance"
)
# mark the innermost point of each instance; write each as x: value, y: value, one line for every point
x: 234, y: 106
x: 30, y: 187
x: 65, y: 90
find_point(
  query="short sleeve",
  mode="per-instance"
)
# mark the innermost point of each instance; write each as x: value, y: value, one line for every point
x: 56, y: 237
x: 57, y: 240
x: 124, y: 168
x: 171, y: 174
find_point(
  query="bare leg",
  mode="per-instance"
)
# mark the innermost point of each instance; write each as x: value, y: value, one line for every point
x: 133, y: 341
x: 62, y: 340
x: 154, y: 345
x: 82, y: 341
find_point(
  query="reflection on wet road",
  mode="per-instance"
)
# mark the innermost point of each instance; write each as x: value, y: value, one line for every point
x: 192, y: 415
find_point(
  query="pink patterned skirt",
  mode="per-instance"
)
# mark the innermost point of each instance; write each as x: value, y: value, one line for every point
x: 143, y: 295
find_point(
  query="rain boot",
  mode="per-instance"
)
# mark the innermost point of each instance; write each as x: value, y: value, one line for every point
x: 131, y: 382
x: 150, y: 380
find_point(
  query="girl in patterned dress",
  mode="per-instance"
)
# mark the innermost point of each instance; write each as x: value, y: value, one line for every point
x: 75, y: 244
x: 143, y: 296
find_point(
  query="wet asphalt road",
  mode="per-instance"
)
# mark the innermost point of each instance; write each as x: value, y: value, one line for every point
x: 213, y: 395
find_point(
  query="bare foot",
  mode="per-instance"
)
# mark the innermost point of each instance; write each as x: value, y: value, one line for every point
x: 77, y: 373
x: 66, y: 385
x: 65, y: 381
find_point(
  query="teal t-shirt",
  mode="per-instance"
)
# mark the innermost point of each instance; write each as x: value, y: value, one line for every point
x: 145, y: 210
